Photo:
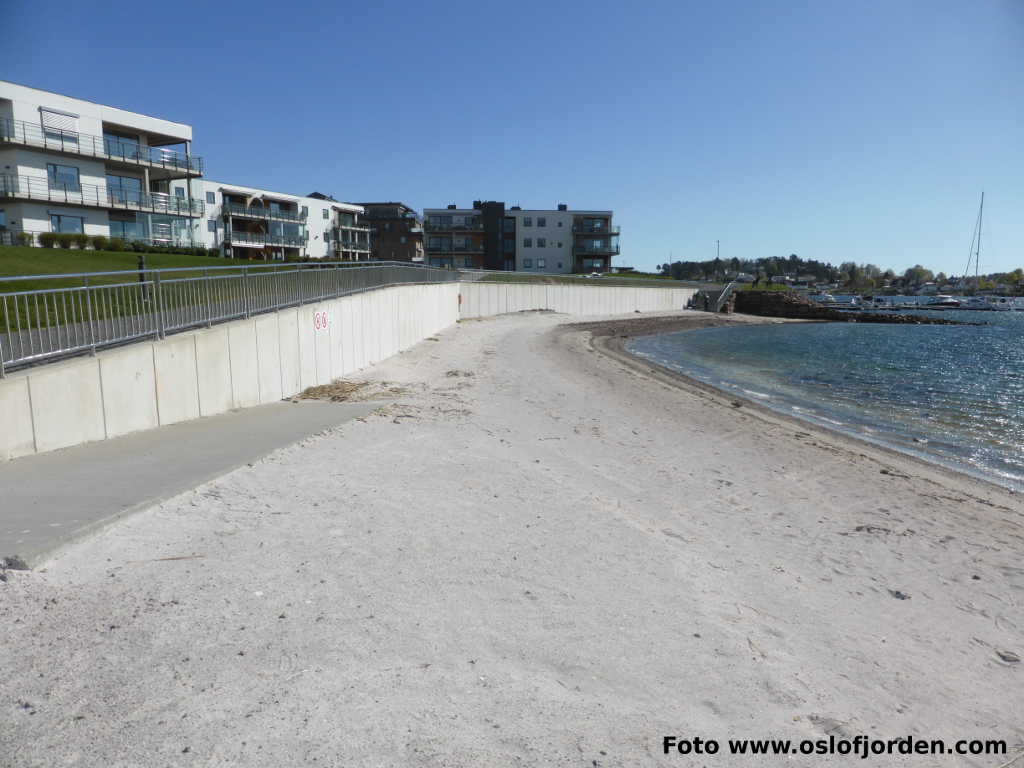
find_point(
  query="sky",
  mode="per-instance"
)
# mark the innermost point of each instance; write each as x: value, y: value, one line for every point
x: 862, y: 130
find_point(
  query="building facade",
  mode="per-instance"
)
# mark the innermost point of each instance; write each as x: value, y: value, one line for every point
x: 247, y: 222
x: 491, y: 236
x: 397, y: 232
x: 73, y: 166
x: 69, y: 165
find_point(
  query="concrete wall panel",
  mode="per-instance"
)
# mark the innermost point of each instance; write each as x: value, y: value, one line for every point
x: 129, y: 389
x: 177, y: 380
x: 17, y: 436
x: 213, y: 368
x: 288, y: 343
x: 245, y: 387
x: 268, y: 358
x: 67, y: 404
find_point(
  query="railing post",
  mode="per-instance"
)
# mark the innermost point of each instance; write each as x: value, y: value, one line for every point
x: 209, y: 298
x: 88, y: 311
x: 245, y: 291
x: 159, y: 302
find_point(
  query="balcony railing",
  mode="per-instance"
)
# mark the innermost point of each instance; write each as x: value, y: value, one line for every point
x: 258, y: 212
x: 351, y: 245
x: 264, y: 238
x: 457, y: 248
x: 352, y: 228
x: 104, y: 147
x: 590, y: 229
x: 605, y: 249
x: 32, y: 188
x: 433, y: 226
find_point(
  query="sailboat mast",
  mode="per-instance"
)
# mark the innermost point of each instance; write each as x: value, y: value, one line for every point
x: 977, y: 253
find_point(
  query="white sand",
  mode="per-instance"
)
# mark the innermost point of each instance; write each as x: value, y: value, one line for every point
x: 538, y: 555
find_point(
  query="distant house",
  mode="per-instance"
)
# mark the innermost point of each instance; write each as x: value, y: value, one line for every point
x: 927, y: 289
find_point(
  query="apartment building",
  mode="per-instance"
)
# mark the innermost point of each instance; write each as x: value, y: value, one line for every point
x: 397, y: 231
x: 259, y: 223
x: 491, y: 236
x: 70, y: 165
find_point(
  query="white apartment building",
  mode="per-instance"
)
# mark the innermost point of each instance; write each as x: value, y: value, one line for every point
x: 491, y: 236
x: 244, y: 221
x: 69, y: 165
x: 73, y: 166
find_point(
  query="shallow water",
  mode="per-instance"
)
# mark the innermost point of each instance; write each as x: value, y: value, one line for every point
x: 954, y: 394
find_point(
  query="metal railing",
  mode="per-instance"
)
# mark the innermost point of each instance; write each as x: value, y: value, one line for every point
x: 41, y: 188
x: 351, y: 245
x: 104, y: 309
x: 433, y: 226
x: 455, y: 248
x: 257, y: 212
x: 265, y: 238
x: 597, y: 250
x: 585, y: 229
x: 105, y: 147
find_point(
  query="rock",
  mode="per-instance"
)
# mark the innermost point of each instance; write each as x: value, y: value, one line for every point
x: 1009, y: 656
x: 899, y: 595
x: 14, y: 563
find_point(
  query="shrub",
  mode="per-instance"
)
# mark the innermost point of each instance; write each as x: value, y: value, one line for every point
x: 81, y: 241
x: 115, y: 244
x: 48, y: 239
x: 25, y: 238
x: 65, y: 239
x: 100, y: 242
x: 138, y: 246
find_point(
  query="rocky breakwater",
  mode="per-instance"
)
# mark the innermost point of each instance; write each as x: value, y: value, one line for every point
x: 798, y: 307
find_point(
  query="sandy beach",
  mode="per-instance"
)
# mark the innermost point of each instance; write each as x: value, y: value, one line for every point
x: 537, y: 551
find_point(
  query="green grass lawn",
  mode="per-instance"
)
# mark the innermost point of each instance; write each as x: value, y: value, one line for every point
x: 17, y: 260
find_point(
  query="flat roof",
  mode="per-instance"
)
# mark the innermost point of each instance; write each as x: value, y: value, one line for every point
x: 90, y: 101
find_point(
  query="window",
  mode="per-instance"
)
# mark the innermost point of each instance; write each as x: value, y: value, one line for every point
x: 542, y: 221
x: 559, y: 265
x: 559, y: 223
x: 121, y: 146
x: 527, y: 263
x: 402, y: 239
x: 124, y: 189
x: 527, y: 221
x: 211, y: 198
x: 305, y: 211
x: 179, y: 192
x: 510, y: 245
x: 3, y: 220
x: 509, y: 225
x: 387, y: 226
x: 542, y: 242
x: 126, y: 228
x: 211, y: 226
x: 540, y: 263
x: 326, y: 213
x: 73, y: 224
x: 527, y: 242
x: 559, y: 244
x: 63, y: 177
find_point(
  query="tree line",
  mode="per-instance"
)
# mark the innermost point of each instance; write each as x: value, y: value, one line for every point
x: 849, y: 275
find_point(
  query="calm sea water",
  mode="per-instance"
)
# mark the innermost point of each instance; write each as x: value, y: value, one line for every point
x: 954, y: 394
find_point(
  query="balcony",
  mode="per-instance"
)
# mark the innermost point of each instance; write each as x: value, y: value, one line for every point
x: 351, y: 245
x: 261, y: 239
x: 432, y: 226
x: 590, y: 229
x: 591, y: 249
x: 91, y: 196
x: 258, y: 212
x: 112, y: 150
x: 457, y: 248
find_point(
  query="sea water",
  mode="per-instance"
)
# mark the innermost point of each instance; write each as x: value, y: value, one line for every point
x: 950, y: 393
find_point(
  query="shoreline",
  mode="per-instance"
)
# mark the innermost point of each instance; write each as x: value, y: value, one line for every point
x: 612, y: 341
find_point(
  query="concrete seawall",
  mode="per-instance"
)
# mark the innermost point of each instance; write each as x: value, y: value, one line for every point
x: 265, y: 358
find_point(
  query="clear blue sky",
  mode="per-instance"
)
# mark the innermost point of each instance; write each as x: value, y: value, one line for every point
x: 861, y: 130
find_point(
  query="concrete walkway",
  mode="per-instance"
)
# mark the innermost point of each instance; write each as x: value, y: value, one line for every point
x: 50, y: 499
